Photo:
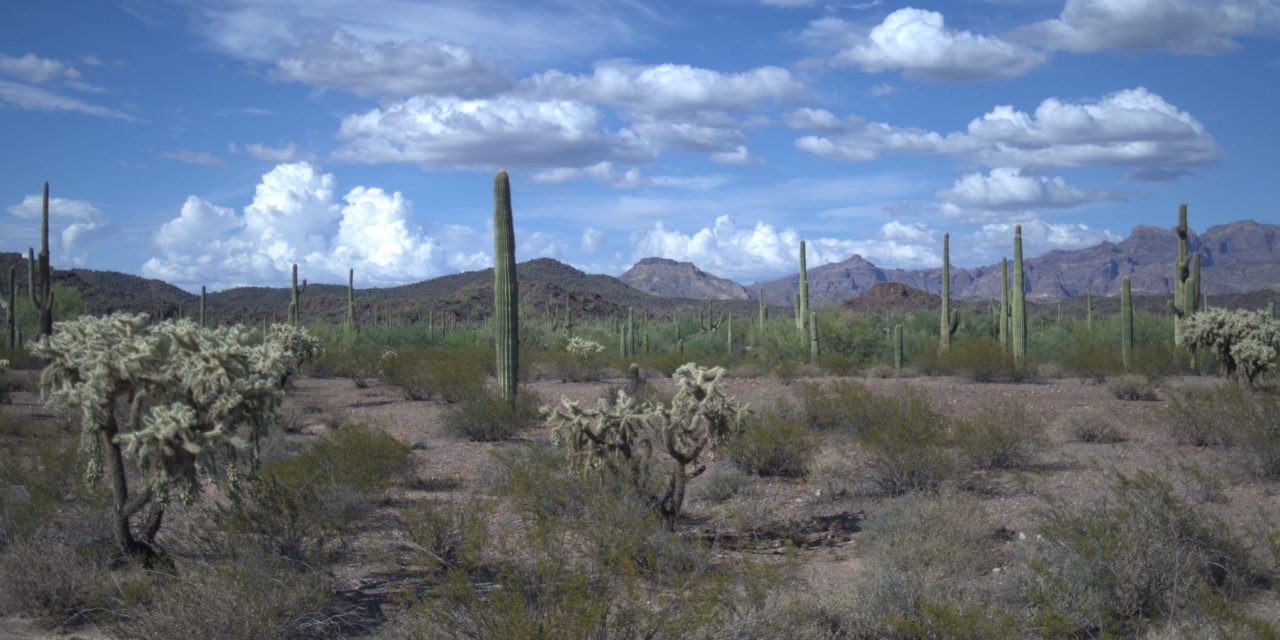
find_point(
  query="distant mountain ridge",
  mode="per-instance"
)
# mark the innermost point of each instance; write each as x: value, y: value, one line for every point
x: 1235, y: 258
x: 671, y: 279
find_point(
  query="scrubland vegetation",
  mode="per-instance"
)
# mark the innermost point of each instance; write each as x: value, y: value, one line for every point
x: 832, y: 477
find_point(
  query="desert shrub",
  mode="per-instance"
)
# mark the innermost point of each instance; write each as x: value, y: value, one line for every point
x: 423, y: 373
x: 445, y: 537
x: 1230, y: 415
x: 773, y: 442
x: 359, y: 362
x: 1141, y: 554
x: 977, y: 359
x: 746, y: 371
x: 836, y: 364
x: 40, y: 500
x: 1003, y: 435
x: 579, y: 361
x: 1088, y: 357
x: 845, y: 406
x: 1091, y: 427
x: 299, y: 507
x: 1247, y: 343
x: 59, y: 583
x: 249, y: 599
x: 721, y: 484
x: 908, y: 447
x: 484, y: 416
x: 1132, y: 387
x: 925, y: 579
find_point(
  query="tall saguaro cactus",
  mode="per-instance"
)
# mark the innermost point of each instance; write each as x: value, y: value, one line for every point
x: 1126, y: 322
x: 295, y: 293
x: 351, y: 304
x: 39, y: 280
x: 897, y: 350
x: 506, y: 312
x: 11, y: 310
x: 1019, y: 299
x: 813, y: 339
x: 1003, y: 320
x: 802, y: 312
x: 948, y: 320
x: 1181, y: 307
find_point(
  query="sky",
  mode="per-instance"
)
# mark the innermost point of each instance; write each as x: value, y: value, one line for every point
x: 218, y: 142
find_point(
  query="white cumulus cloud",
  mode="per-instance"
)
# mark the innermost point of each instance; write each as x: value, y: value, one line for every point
x: 510, y: 131
x: 1010, y: 189
x: 922, y: 46
x: 1179, y: 26
x: 668, y: 87
x: 71, y: 220
x: 33, y: 68
x: 411, y: 67
x: 296, y: 216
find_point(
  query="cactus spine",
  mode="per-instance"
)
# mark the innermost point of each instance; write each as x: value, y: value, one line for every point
x: 39, y: 280
x: 1126, y: 322
x: 802, y: 302
x: 1003, y: 320
x: 897, y: 349
x: 1019, y: 299
x: 505, y: 294
x: 295, y: 292
x: 948, y: 320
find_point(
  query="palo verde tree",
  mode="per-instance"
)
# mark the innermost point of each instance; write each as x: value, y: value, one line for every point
x: 179, y: 402
x: 623, y: 436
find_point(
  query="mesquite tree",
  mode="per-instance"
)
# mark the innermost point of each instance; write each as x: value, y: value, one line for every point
x: 623, y: 436
x: 180, y: 402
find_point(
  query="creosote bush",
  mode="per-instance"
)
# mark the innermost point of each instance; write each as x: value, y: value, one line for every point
x: 977, y: 359
x: 1230, y: 414
x: 1141, y: 555
x: 909, y: 446
x: 1092, y: 427
x: 484, y: 416
x: 1133, y: 387
x: 773, y: 442
x: 844, y: 406
x: 427, y: 373
x: 1003, y: 435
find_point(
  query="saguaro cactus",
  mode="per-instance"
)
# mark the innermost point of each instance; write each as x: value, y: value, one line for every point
x: 1181, y: 307
x: 11, y: 315
x: 802, y: 304
x: 1003, y: 320
x: 764, y: 314
x: 948, y: 320
x: 1088, y: 309
x: 296, y: 292
x: 1126, y: 322
x: 1019, y: 299
x: 39, y: 280
x: 203, y: 320
x: 505, y: 295
x: 813, y: 339
x: 897, y: 349
x: 351, y: 303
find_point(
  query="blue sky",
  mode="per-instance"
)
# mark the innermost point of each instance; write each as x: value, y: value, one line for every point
x: 218, y: 142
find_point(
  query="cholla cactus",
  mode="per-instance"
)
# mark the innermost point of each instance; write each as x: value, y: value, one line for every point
x: 1246, y: 342
x: 582, y: 348
x: 197, y: 399
x: 623, y: 436
x: 301, y: 346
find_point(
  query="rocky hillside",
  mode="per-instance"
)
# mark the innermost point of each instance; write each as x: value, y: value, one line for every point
x: 1237, y: 257
x: 671, y: 279
x: 892, y: 297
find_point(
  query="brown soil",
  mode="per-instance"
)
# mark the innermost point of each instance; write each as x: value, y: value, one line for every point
x: 824, y: 510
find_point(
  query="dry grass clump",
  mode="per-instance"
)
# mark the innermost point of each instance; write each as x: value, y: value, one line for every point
x: 1003, y: 435
x: 484, y: 416
x: 1133, y: 387
x: 773, y: 442
x: 1230, y: 415
x: 1091, y: 427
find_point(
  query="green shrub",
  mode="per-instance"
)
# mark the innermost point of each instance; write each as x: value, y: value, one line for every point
x: 773, y: 442
x: 424, y: 373
x: 58, y: 583
x: 977, y: 359
x: 844, y: 406
x: 722, y: 483
x: 1003, y: 435
x: 252, y: 599
x: 445, y: 537
x: 1091, y: 427
x: 1132, y: 387
x: 1140, y: 555
x: 484, y: 416
x: 909, y: 446
x: 1088, y: 357
x: 39, y: 499
x: 299, y: 507
x: 1230, y: 414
